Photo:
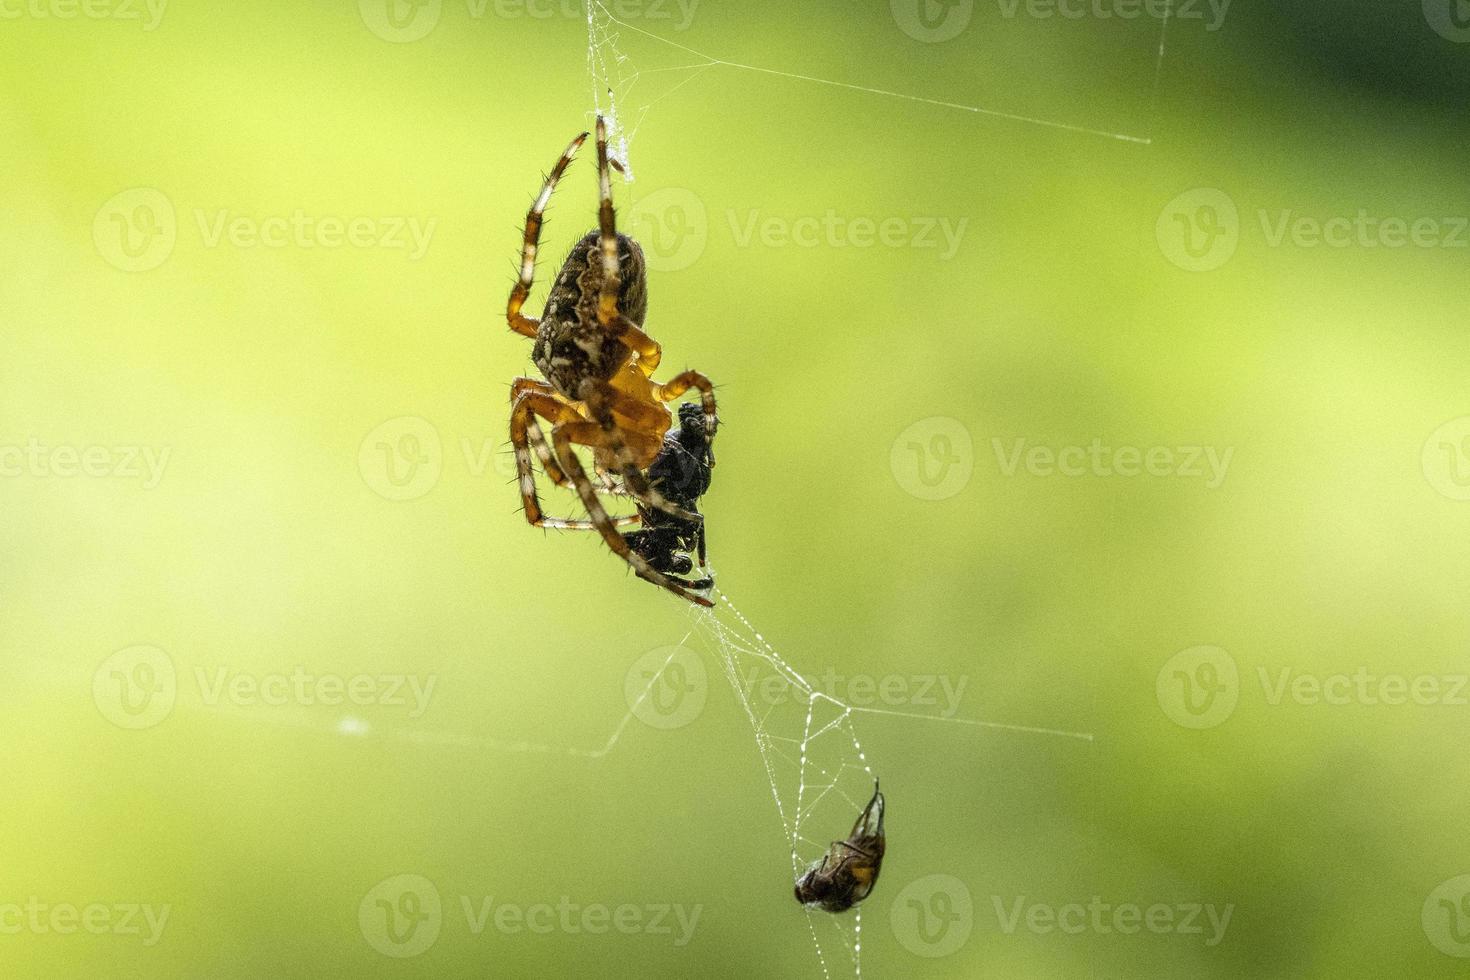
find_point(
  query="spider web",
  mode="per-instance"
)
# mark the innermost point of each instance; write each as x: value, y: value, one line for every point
x: 615, y: 78
x: 820, y: 775
x: 808, y: 743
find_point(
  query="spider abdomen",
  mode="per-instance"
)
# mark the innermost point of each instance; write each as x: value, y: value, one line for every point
x: 571, y: 345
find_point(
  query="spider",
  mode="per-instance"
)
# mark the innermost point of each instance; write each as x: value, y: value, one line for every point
x: 847, y: 873
x: 598, y: 391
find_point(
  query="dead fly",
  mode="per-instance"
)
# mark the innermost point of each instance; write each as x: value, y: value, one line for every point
x: 849, y: 870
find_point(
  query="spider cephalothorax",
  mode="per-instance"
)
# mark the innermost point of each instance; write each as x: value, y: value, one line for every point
x: 599, y: 390
x: 849, y: 870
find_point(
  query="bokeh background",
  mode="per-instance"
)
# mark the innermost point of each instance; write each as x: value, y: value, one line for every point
x: 329, y: 494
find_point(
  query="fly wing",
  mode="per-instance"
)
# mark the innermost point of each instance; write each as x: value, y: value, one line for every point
x: 870, y: 822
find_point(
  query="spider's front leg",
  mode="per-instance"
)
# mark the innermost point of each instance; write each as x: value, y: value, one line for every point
x: 530, y: 242
x: 693, y: 379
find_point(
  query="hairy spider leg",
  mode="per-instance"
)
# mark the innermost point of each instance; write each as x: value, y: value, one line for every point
x: 625, y: 330
x: 523, y: 324
x: 562, y: 446
x: 532, y: 398
x: 630, y: 445
x: 676, y: 387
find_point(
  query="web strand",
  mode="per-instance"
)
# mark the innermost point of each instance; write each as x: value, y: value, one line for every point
x: 819, y: 774
x: 595, y: 9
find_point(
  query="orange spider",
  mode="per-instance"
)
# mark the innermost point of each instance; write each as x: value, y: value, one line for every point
x: 599, y: 390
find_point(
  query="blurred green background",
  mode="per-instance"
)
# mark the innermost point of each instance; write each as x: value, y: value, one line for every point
x: 330, y: 495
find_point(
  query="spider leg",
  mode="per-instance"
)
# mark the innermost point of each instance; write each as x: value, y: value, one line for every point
x: 625, y: 330
x: 676, y: 387
x: 523, y: 324
x: 532, y: 399
x: 628, y: 445
x: 561, y: 444
x: 553, y: 471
